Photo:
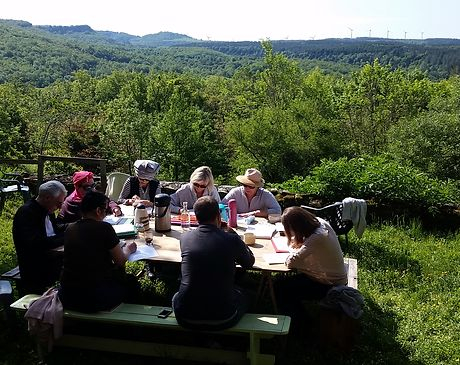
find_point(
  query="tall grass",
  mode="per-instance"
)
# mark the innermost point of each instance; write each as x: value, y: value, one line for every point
x: 410, y: 280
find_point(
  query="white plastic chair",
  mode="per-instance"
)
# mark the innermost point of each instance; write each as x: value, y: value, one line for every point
x: 115, y: 182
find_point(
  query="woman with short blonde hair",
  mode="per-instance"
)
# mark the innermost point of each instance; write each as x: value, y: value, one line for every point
x: 201, y: 184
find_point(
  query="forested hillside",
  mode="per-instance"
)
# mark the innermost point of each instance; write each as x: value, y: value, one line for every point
x: 279, y: 118
x: 41, y: 55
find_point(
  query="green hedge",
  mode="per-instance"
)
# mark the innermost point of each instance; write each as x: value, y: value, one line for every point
x: 378, y: 179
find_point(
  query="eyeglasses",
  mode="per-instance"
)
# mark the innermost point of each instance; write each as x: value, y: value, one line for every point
x: 88, y: 187
x: 248, y: 186
x: 200, y: 186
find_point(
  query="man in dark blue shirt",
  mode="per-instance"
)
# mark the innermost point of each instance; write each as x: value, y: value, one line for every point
x: 207, y: 298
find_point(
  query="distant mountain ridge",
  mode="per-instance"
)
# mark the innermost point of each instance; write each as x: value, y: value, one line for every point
x: 41, y: 54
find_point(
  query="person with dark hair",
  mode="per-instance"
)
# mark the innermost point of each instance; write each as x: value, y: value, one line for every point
x: 35, y: 233
x: 207, y: 298
x: 83, y: 181
x: 317, y: 257
x: 141, y: 188
x: 93, y: 277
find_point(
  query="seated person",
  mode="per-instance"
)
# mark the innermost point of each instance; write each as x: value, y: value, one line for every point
x: 317, y: 257
x: 141, y: 188
x: 83, y: 182
x: 201, y: 184
x: 251, y: 197
x: 35, y: 233
x: 207, y: 298
x: 93, y: 277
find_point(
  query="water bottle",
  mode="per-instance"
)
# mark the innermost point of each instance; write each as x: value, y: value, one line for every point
x: 232, y: 213
x: 185, y: 217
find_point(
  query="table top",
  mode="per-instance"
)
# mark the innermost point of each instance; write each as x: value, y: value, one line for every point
x: 168, y: 247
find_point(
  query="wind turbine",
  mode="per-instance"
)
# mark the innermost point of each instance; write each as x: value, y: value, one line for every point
x: 370, y: 30
x: 388, y: 33
x: 422, y: 35
x: 405, y: 34
x: 351, y: 32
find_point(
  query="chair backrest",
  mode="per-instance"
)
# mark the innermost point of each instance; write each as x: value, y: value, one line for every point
x: 333, y: 214
x: 115, y: 182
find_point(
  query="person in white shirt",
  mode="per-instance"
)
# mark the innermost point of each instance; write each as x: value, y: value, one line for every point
x: 317, y: 257
x: 251, y: 197
x: 201, y: 184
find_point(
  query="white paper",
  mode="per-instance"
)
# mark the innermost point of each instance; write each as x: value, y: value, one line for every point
x: 262, y: 230
x: 143, y: 252
x: 275, y: 258
x: 279, y: 227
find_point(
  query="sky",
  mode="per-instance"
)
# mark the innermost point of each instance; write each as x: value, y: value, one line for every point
x: 253, y: 20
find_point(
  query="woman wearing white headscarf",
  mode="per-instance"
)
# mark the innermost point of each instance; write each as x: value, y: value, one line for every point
x: 141, y: 188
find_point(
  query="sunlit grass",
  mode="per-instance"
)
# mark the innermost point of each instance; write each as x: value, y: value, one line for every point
x: 410, y: 280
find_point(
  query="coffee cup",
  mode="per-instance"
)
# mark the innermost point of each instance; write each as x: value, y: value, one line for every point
x: 249, y: 238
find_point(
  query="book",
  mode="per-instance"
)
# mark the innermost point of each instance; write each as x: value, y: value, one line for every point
x: 280, y: 243
x: 125, y: 230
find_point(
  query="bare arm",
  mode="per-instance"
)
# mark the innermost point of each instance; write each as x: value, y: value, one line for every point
x: 120, y: 255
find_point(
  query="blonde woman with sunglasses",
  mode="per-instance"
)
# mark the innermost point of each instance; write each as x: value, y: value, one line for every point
x: 201, y: 184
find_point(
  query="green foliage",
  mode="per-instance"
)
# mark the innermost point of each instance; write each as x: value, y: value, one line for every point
x: 377, y: 98
x: 430, y: 142
x: 375, y: 178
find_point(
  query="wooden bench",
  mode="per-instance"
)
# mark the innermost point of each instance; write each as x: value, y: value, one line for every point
x: 351, y: 266
x: 254, y: 326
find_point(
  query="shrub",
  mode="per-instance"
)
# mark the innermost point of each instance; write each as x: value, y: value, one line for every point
x: 376, y: 178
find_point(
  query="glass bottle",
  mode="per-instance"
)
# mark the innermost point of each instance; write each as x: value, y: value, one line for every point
x: 185, y: 217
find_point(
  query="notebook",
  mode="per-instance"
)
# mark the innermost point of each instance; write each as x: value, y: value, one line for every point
x: 280, y: 243
x: 118, y: 220
x: 125, y: 230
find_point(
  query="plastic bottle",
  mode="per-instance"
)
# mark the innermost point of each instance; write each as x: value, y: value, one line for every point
x: 232, y: 213
x: 185, y: 217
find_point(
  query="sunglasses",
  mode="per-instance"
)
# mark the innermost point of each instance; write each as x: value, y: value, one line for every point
x: 87, y: 187
x: 248, y: 186
x: 145, y: 180
x: 200, y: 186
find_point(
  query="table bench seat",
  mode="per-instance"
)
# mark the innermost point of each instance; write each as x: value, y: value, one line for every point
x: 255, y: 326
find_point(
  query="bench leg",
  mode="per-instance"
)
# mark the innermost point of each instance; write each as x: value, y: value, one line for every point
x: 254, y: 355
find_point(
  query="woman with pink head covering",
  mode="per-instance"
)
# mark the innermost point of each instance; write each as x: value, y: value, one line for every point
x: 83, y: 181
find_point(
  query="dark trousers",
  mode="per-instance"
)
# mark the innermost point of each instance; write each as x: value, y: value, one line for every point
x: 100, y: 297
x: 241, y: 306
x: 290, y: 290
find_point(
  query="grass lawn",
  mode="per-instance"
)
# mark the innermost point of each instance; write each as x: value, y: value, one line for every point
x: 410, y: 280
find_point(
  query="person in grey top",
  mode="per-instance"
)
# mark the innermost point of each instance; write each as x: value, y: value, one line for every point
x: 201, y: 184
x: 251, y: 197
